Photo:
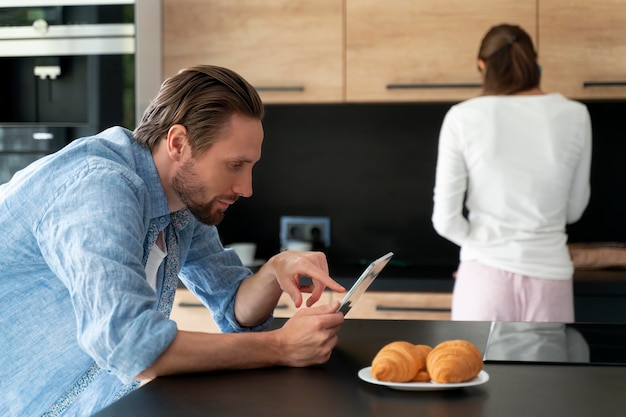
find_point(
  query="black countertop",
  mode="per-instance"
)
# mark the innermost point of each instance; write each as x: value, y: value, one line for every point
x: 514, y: 389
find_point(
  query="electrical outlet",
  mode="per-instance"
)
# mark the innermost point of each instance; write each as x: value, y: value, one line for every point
x: 305, y: 228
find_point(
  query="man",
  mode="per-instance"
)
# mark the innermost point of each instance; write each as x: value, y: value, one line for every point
x: 94, y: 238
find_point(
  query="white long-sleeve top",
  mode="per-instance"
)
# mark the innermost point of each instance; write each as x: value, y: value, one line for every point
x: 521, y: 165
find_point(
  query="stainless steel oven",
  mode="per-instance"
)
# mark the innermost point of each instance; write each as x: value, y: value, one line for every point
x: 70, y: 68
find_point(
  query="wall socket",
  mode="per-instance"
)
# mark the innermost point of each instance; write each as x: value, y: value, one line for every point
x: 305, y: 228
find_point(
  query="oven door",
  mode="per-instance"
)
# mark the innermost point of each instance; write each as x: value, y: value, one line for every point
x: 23, y: 144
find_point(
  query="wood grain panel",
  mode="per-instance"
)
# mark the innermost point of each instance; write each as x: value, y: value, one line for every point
x: 424, y: 43
x: 582, y: 41
x: 291, y: 50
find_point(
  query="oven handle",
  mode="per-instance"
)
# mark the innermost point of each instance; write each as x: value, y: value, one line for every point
x: 41, y: 30
x: 65, y: 47
x: 62, y: 40
x: 48, y: 3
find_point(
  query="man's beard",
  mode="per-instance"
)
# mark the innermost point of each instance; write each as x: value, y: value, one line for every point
x: 186, y: 185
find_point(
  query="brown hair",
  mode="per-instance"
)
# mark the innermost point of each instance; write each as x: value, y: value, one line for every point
x: 201, y: 98
x: 511, y: 60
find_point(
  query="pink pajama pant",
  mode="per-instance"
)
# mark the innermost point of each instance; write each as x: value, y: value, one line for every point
x: 484, y: 293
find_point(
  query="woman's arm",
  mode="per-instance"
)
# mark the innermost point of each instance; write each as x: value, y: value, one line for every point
x: 450, y: 186
x: 581, y: 189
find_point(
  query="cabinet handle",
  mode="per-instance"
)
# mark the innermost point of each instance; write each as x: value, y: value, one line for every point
x: 280, y: 88
x: 432, y: 86
x: 193, y: 305
x: 184, y: 304
x: 396, y: 308
x: 604, y: 84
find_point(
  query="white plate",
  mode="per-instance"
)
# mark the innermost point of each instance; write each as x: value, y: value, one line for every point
x: 255, y: 263
x: 366, y: 375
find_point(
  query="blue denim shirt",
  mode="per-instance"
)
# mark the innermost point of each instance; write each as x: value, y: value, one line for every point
x: 78, y: 319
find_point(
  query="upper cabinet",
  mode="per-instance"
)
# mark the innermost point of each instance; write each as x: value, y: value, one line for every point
x: 582, y: 48
x: 422, y: 50
x: 330, y: 51
x: 290, y: 50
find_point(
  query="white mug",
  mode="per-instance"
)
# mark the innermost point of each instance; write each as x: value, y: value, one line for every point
x: 245, y: 250
x: 298, y: 245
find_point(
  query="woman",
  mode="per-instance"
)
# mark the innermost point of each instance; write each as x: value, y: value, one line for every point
x: 517, y: 161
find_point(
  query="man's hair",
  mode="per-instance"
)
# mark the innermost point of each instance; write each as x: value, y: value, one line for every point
x: 511, y: 60
x: 201, y: 98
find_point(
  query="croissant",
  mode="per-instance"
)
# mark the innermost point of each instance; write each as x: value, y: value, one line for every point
x: 454, y: 361
x: 400, y: 361
x: 422, y: 374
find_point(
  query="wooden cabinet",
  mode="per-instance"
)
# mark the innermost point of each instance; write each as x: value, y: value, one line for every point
x: 582, y: 48
x: 286, y: 308
x: 330, y: 51
x: 190, y: 315
x: 422, y: 50
x: 326, y: 51
x: 290, y: 50
x: 402, y: 306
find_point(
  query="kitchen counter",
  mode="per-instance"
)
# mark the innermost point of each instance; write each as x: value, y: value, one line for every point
x: 514, y: 389
x: 439, y: 278
x: 599, y: 295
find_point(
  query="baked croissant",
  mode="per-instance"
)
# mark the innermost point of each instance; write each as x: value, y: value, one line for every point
x: 454, y: 361
x: 400, y: 361
x: 422, y: 373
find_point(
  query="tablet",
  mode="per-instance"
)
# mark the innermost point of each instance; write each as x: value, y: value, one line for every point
x: 367, y: 277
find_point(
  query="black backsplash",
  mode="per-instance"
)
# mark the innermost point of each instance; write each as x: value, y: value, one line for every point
x: 605, y: 217
x: 371, y: 168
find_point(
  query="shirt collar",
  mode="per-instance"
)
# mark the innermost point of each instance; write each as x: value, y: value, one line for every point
x: 158, y: 203
x: 148, y: 172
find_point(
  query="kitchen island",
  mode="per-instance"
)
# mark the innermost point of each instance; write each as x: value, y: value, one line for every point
x: 515, y: 388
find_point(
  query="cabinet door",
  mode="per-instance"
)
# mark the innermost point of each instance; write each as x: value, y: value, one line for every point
x: 286, y: 309
x: 290, y: 50
x: 402, y: 306
x: 190, y: 314
x: 422, y: 50
x: 582, y: 48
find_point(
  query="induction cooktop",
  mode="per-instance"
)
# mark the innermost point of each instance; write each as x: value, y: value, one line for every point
x: 584, y: 343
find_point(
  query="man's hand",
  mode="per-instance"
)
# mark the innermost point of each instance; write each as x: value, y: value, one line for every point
x: 257, y: 296
x: 309, y: 337
x: 290, y: 267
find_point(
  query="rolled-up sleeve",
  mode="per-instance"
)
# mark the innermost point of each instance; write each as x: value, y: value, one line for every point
x: 214, y: 274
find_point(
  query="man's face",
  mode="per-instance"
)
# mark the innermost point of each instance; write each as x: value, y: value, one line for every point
x: 209, y: 183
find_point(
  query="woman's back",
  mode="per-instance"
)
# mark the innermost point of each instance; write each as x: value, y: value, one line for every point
x: 521, y: 156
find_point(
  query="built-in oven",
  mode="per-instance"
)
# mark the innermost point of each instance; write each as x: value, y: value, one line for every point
x: 72, y: 68
x: 22, y: 144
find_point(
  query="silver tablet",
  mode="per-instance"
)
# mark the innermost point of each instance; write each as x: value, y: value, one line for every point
x: 367, y: 277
